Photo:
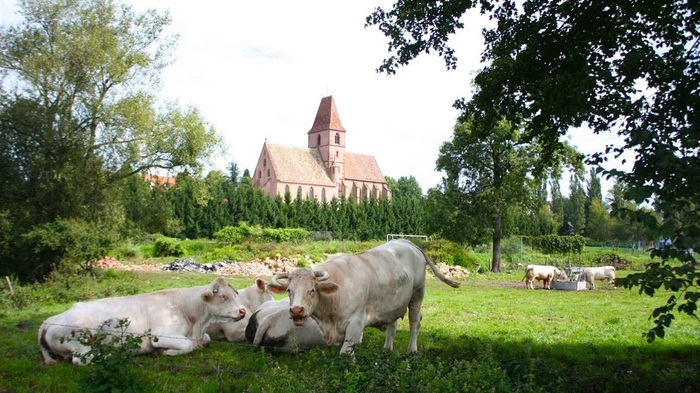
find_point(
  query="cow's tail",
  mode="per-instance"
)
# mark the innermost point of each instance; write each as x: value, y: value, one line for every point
x: 436, y: 271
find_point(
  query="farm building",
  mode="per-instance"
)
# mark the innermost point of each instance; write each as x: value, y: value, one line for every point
x: 323, y: 170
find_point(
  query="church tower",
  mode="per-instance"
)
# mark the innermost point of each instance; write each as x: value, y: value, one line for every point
x: 328, y: 136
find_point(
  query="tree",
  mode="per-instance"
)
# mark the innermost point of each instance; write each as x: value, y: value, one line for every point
x: 490, y: 168
x: 78, y: 113
x: 575, y: 206
x: 599, y: 225
x: 629, y: 67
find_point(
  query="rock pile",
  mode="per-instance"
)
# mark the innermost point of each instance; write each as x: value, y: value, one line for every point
x: 254, y: 268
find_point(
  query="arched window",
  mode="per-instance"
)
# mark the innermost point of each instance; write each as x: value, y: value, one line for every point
x: 286, y: 190
x: 323, y: 195
x: 299, y: 192
x: 311, y: 193
x: 268, y: 172
x: 337, y: 138
x: 318, y: 140
x: 259, y: 174
x: 336, y: 153
x: 265, y: 162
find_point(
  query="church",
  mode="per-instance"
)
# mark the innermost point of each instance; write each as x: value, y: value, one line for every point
x: 323, y: 170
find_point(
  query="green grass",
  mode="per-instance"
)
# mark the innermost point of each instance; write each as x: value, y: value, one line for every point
x: 490, y: 334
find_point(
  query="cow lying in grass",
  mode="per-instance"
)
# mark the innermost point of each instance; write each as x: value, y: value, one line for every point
x: 250, y: 298
x: 271, y: 327
x: 546, y: 274
x: 603, y: 273
x: 176, y: 318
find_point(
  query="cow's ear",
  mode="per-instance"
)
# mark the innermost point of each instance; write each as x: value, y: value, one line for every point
x: 260, y: 283
x: 207, y: 296
x: 327, y: 287
x: 277, y: 288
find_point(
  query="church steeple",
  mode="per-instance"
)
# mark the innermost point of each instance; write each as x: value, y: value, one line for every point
x: 326, y: 117
x: 328, y: 136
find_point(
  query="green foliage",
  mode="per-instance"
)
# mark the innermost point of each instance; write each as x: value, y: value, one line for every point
x: 168, y: 247
x: 229, y: 235
x: 450, y: 253
x: 111, y: 352
x: 72, y: 242
x: 561, y: 245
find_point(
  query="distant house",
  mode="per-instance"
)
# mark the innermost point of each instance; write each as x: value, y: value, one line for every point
x: 323, y: 170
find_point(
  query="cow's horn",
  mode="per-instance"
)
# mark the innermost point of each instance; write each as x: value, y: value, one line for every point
x: 321, y: 275
x: 278, y: 276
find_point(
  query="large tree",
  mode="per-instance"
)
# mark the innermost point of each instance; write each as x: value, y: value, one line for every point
x: 79, y: 112
x: 491, y: 170
x: 626, y: 67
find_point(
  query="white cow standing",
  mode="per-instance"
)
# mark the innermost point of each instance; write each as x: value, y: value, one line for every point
x: 249, y: 298
x: 545, y: 273
x: 178, y: 318
x: 603, y: 273
x: 272, y: 328
x: 347, y: 293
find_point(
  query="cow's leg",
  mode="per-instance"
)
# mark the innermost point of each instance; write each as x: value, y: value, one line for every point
x: 390, y: 334
x: 414, y: 318
x: 353, y: 335
x: 175, y: 344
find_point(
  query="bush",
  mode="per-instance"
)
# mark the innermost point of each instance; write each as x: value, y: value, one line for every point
x: 168, y: 247
x: 229, y: 235
x: 111, y: 353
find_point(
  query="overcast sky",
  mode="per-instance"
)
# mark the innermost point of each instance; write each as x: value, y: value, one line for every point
x: 258, y: 69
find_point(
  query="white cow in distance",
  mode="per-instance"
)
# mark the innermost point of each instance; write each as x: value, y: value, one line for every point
x: 603, y: 273
x: 177, y: 317
x: 250, y: 298
x: 347, y: 293
x: 545, y: 273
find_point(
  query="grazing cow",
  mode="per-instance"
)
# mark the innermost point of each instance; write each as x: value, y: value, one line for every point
x: 347, y: 293
x: 590, y: 274
x: 177, y: 317
x: 543, y: 273
x: 271, y: 327
x: 250, y: 298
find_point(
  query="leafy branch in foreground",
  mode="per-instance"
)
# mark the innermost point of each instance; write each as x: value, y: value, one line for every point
x: 111, y: 352
x: 683, y: 280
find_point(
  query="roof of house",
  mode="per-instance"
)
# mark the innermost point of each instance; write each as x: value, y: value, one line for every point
x: 298, y: 165
x: 326, y: 117
x: 362, y: 167
x: 161, y: 180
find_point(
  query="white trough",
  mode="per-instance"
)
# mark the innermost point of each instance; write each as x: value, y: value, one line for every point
x: 569, y: 285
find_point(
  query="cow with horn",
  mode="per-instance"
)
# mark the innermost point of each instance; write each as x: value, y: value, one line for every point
x: 349, y: 292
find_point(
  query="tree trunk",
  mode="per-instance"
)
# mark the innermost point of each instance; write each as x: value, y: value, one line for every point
x: 496, y: 262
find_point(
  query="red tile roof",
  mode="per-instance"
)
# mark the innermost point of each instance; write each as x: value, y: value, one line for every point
x: 327, y: 117
x: 298, y: 165
x: 362, y: 167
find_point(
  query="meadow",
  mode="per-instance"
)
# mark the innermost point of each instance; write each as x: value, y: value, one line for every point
x: 491, y: 334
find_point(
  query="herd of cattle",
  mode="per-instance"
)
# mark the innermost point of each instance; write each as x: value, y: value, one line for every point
x: 327, y: 306
x: 547, y: 274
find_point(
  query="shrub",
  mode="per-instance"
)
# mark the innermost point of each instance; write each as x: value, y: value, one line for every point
x: 111, y: 352
x: 168, y: 247
x: 229, y: 235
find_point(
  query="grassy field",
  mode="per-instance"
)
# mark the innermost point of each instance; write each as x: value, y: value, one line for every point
x: 488, y: 335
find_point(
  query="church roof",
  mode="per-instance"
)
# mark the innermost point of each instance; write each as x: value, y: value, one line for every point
x: 298, y: 165
x: 326, y: 117
x: 362, y: 167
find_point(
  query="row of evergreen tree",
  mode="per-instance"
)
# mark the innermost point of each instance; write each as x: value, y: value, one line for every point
x: 196, y: 207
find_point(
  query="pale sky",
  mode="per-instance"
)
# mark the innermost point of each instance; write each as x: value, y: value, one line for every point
x: 258, y: 69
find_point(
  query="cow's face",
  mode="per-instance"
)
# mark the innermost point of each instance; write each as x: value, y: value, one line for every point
x: 305, y: 288
x: 221, y: 300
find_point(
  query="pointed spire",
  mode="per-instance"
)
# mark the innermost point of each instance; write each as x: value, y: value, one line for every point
x: 327, y: 117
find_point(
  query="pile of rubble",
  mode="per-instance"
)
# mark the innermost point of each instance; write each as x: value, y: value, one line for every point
x: 254, y: 268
